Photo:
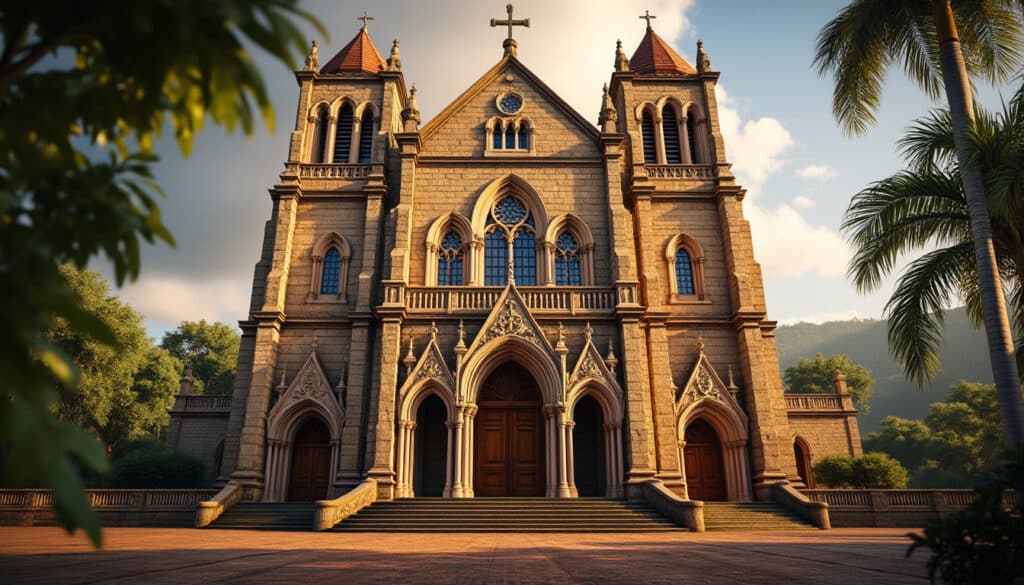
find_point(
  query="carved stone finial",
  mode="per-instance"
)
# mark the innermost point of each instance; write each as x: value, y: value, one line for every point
x: 588, y: 332
x: 703, y: 61
x: 608, y: 115
x: 700, y: 345
x: 186, y: 384
x: 410, y: 358
x: 339, y: 390
x: 621, y: 62
x: 315, y: 343
x: 395, y: 59
x: 461, y: 345
x: 610, y: 360
x: 411, y: 113
x: 840, y: 379
x: 433, y: 331
x: 313, y: 59
x: 512, y: 273
x: 732, y: 380
x: 282, y: 386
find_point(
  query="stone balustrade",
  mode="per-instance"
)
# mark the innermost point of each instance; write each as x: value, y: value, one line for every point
x: 204, y: 403
x: 116, y: 507
x: 209, y: 510
x: 480, y: 300
x: 893, y: 508
x: 334, y: 171
x: 686, y: 513
x: 814, y: 511
x: 330, y: 512
x: 703, y: 172
x: 819, y: 402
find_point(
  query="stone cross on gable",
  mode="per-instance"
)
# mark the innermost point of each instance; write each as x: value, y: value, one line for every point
x: 648, y: 17
x: 510, y: 43
x: 365, y: 19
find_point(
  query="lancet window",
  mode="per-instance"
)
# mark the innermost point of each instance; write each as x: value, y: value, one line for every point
x: 343, y: 134
x: 567, y: 261
x: 509, y: 135
x: 510, y: 233
x: 450, y: 261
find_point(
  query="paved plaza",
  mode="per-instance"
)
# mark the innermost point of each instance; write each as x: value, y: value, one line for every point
x: 154, y: 555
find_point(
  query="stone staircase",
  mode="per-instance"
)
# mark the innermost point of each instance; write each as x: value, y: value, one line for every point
x: 744, y: 516
x: 296, y: 516
x: 507, y: 515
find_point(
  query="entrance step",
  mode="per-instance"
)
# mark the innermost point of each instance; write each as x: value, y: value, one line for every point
x: 295, y: 516
x: 751, y: 516
x: 507, y: 515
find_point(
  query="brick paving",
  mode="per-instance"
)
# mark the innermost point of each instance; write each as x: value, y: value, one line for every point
x: 166, y: 555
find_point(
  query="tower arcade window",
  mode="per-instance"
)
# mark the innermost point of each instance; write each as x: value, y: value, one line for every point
x: 647, y: 130
x: 449, y: 263
x: 343, y: 135
x: 567, y: 261
x: 366, y: 136
x: 691, y: 139
x: 684, y: 273
x: 329, y: 281
x: 670, y: 131
x: 323, y: 124
x: 508, y: 135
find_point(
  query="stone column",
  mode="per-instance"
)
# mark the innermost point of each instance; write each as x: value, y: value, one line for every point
x: 469, y: 440
x: 400, y: 486
x: 457, y: 491
x: 570, y: 463
x: 563, y: 474
x: 449, y: 459
x: 410, y: 459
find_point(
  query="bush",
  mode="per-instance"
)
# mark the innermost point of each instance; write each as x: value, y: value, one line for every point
x: 868, y: 471
x: 158, y: 469
x: 983, y: 544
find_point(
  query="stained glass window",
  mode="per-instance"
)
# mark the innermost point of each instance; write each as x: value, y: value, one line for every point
x: 496, y: 139
x: 510, y: 138
x: 510, y: 103
x: 495, y: 259
x: 524, y: 139
x: 684, y: 273
x: 449, y: 263
x: 525, y: 254
x: 331, y: 272
x: 509, y: 211
x: 567, y: 261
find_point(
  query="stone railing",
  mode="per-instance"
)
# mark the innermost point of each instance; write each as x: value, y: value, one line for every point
x: 330, y: 512
x: 333, y: 171
x: 686, y: 513
x: 115, y: 507
x: 814, y: 511
x: 890, y: 508
x: 480, y: 300
x: 818, y: 402
x: 680, y: 171
x: 210, y: 510
x: 192, y: 403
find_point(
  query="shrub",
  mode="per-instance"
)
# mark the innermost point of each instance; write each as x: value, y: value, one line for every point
x: 158, y: 469
x: 868, y: 471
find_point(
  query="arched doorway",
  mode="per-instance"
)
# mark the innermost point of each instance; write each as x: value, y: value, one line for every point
x: 705, y: 472
x: 803, y: 462
x: 509, y: 435
x: 311, y: 462
x: 431, y: 445
x: 588, y: 448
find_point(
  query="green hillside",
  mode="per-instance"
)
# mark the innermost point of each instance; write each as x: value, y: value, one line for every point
x: 964, y: 357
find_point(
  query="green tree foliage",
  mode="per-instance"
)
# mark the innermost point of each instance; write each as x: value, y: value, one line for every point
x: 984, y: 544
x: 211, y: 349
x: 924, y: 210
x: 122, y: 394
x: 868, y: 471
x: 958, y: 439
x: 818, y: 376
x: 85, y: 89
x: 157, y: 469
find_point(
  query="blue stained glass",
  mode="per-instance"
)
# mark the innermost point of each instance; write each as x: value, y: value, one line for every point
x: 331, y: 272
x: 455, y: 272
x: 496, y: 138
x: 525, y: 250
x: 567, y: 263
x: 495, y: 259
x: 524, y: 140
x: 509, y: 211
x: 510, y: 138
x: 684, y: 273
x: 567, y: 242
x: 511, y: 103
x: 452, y: 241
x: 449, y: 264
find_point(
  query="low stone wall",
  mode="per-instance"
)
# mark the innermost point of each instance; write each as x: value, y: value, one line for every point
x: 115, y: 507
x: 893, y: 508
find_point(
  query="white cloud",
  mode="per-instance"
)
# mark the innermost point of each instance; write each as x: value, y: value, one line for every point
x: 785, y: 242
x: 803, y: 202
x: 170, y: 300
x: 816, y: 172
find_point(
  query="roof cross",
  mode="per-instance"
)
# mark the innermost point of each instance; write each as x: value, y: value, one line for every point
x: 510, y: 44
x: 365, y: 19
x: 648, y: 17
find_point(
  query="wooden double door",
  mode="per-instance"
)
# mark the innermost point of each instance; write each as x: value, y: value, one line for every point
x: 509, y: 436
x: 311, y: 462
x: 705, y: 472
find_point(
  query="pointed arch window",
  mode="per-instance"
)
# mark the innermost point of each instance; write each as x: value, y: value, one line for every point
x: 691, y: 139
x: 450, y: 261
x: 567, y: 261
x: 670, y: 132
x: 508, y: 136
x: 343, y: 135
x: 684, y: 273
x: 686, y: 269
x: 320, y: 131
x: 647, y: 131
x: 330, y: 258
x: 331, y: 272
x: 523, y: 138
x: 366, y: 137
x: 510, y: 233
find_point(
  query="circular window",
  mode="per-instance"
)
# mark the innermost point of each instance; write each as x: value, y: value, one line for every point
x: 510, y: 103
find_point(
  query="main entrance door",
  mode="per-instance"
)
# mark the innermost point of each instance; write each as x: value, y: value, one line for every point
x: 509, y: 435
x: 311, y: 462
x: 705, y: 473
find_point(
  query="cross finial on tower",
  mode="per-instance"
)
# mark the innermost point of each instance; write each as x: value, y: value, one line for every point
x: 648, y: 17
x: 365, y: 19
x: 510, y: 43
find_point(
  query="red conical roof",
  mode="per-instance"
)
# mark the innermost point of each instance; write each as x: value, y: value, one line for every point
x: 654, y: 55
x: 358, y: 56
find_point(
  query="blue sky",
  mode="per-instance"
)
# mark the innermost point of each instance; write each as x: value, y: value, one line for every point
x: 799, y: 168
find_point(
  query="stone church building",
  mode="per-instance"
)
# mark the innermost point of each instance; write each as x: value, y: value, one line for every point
x: 508, y: 300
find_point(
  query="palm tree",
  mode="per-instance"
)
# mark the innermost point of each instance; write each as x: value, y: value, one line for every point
x: 925, y: 209
x: 859, y: 45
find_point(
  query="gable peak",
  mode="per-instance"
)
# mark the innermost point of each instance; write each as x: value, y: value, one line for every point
x: 655, y: 55
x: 358, y: 56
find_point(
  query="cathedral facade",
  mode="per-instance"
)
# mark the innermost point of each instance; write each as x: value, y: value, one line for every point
x: 508, y: 300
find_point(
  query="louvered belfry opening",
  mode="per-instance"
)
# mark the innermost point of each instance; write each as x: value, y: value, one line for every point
x: 670, y: 130
x: 647, y: 129
x: 366, y: 137
x: 343, y: 135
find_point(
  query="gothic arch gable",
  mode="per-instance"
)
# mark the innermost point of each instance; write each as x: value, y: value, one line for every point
x: 429, y: 375
x: 309, y: 392
x: 592, y: 376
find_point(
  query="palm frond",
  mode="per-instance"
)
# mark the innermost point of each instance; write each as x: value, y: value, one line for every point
x: 928, y: 144
x: 904, y: 212
x: 915, y: 311
x: 992, y: 38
